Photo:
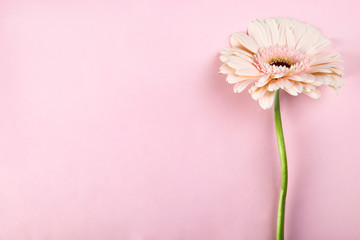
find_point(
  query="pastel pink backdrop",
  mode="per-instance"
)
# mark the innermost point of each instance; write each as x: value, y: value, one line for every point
x: 114, y: 124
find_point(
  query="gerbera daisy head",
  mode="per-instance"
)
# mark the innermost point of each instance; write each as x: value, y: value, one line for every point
x: 280, y: 53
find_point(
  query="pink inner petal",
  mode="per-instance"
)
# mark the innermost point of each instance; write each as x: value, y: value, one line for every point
x: 281, y: 60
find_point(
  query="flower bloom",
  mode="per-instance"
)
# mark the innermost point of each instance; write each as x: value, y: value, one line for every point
x: 280, y: 53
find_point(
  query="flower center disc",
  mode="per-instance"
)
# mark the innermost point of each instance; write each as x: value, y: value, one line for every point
x: 280, y: 63
x: 279, y: 59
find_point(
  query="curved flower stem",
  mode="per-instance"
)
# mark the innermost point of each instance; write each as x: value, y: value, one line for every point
x: 284, y: 170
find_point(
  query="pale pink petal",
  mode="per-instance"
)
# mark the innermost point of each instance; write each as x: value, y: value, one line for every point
x: 241, y: 40
x: 258, y: 93
x: 225, y: 69
x: 319, y: 69
x: 232, y: 78
x: 336, y: 81
x: 291, y: 91
x: 311, y: 41
x: 267, y: 100
x: 274, y: 30
x: 262, y: 81
x: 338, y: 71
x: 279, y: 75
x: 305, y: 77
x: 284, y: 24
x: 315, y: 94
x: 272, y: 86
x: 237, y: 52
x: 260, y: 32
x: 288, y: 84
x: 252, y: 72
x: 239, y: 87
x: 307, y: 88
x: 335, y: 89
x: 325, y: 58
x: 324, y: 79
x: 298, y: 87
x: 290, y: 40
x: 299, y: 30
x: 320, y: 46
x: 284, y: 83
x: 237, y: 63
x: 236, y: 60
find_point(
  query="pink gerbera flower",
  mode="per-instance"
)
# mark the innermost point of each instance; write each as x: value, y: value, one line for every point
x: 280, y: 53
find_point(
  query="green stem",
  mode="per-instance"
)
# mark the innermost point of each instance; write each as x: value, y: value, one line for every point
x: 284, y: 170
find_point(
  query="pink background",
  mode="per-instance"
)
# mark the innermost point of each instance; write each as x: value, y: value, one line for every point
x: 114, y: 124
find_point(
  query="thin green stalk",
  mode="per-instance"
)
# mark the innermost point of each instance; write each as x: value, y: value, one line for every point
x: 284, y: 170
